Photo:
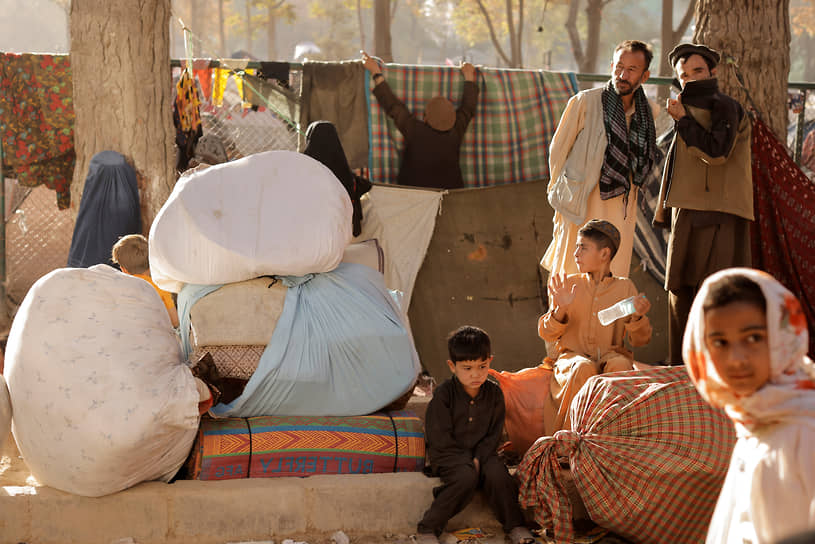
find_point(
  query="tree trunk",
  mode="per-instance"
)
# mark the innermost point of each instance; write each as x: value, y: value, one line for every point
x: 120, y: 61
x: 382, y: 30
x: 221, y: 30
x: 756, y: 33
x: 271, y: 34
x: 586, y: 60
x: 594, y: 14
x: 248, y: 27
x: 670, y: 38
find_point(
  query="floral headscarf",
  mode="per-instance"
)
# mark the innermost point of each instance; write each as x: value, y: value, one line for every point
x: 789, y: 393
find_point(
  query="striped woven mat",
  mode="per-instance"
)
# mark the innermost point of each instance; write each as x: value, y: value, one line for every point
x: 274, y: 446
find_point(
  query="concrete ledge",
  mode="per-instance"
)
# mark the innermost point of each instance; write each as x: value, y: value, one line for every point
x: 233, y: 510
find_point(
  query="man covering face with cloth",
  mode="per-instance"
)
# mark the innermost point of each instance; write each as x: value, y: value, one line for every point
x: 706, y: 196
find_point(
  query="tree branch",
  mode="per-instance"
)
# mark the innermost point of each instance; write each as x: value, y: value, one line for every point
x: 494, y: 39
x: 574, y: 36
x: 683, y: 24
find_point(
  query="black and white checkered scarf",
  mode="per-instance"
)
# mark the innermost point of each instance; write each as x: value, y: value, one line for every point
x: 629, y: 150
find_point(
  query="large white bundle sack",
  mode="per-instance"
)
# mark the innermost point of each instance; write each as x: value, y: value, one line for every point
x: 102, y: 398
x: 5, y: 412
x: 277, y: 212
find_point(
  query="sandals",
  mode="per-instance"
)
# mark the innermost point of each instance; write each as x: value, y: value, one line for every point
x: 521, y: 535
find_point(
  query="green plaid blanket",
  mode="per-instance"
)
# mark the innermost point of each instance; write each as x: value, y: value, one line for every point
x: 507, y: 140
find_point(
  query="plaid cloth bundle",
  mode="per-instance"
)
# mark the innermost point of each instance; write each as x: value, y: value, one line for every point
x: 507, y: 140
x: 648, y: 456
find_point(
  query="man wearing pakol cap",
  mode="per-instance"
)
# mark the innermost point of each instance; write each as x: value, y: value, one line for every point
x: 432, y: 145
x: 603, y: 150
x: 706, y: 196
x: 583, y: 347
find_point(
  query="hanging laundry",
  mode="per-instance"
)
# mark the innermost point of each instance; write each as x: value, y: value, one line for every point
x: 782, y: 236
x: 37, y: 118
x: 275, y: 70
x: 187, y: 119
x: 220, y: 77
x: 202, y: 72
x: 508, y: 139
x: 335, y: 92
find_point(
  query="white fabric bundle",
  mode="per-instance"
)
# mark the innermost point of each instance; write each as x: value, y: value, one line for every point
x: 277, y: 212
x: 102, y: 398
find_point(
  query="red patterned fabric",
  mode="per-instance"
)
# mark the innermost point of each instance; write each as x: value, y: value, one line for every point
x: 647, y: 454
x: 37, y: 118
x: 783, y: 234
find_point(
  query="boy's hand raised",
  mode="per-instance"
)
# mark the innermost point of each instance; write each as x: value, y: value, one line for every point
x: 562, y: 295
x: 468, y: 71
x: 641, y: 305
x: 370, y: 63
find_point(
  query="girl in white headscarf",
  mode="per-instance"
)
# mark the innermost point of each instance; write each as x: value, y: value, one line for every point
x: 745, y: 349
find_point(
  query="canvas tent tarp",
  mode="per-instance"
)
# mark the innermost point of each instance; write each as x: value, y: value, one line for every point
x: 480, y: 267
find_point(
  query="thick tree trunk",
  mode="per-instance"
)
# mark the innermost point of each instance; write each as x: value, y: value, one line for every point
x: 382, y: 30
x: 120, y: 61
x: 756, y: 33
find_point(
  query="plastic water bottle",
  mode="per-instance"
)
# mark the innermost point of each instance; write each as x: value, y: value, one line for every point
x: 622, y: 309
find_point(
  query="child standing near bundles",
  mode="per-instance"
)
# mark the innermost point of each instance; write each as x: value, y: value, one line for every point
x: 583, y: 346
x: 131, y: 254
x: 463, y: 427
x: 745, y: 349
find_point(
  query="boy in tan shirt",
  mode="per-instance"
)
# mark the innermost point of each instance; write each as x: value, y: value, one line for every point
x: 583, y: 346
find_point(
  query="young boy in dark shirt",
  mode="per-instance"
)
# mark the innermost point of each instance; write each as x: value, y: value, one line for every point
x: 463, y: 427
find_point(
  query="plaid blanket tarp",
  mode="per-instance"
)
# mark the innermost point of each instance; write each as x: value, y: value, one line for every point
x: 507, y: 140
x: 276, y: 446
x: 647, y: 454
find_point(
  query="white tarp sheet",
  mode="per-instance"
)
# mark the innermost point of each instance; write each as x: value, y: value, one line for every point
x: 403, y: 220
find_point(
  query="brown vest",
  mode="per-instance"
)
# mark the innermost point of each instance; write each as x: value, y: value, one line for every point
x: 701, y: 182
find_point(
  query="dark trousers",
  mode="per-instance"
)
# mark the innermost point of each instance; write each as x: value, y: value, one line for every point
x: 459, y: 484
x: 679, y: 303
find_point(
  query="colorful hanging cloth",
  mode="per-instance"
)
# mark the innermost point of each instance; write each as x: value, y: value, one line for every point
x: 187, y: 119
x: 783, y: 240
x: 37, y: 121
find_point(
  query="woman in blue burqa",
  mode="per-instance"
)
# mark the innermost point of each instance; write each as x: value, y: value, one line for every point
x: 109, y: 209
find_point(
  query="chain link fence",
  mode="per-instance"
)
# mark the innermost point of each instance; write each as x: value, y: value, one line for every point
x: 38, y: 234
